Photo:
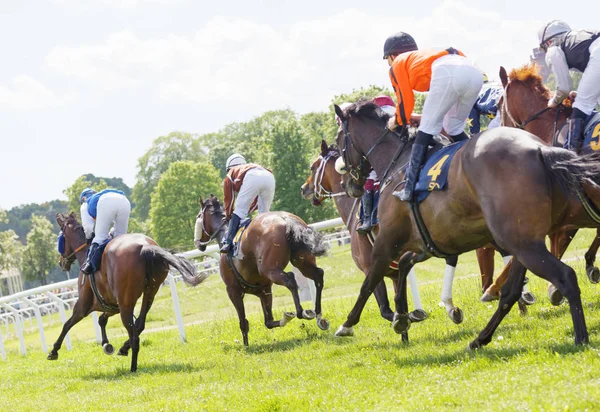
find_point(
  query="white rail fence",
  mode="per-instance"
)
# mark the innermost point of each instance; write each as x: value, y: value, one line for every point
x: 29, y: 306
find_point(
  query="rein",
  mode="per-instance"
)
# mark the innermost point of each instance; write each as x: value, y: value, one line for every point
x: 320, y: 191
x: 205, y: 232
x: 79, y: 249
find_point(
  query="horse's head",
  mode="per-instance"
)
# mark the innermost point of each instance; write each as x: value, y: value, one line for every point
x: 324, y: 181
x: 210, y: 223
x: 362, y: 127
x: 74, y: 239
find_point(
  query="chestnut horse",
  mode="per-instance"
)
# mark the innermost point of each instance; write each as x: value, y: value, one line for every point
x: 469, y: 213
x: 524, y: 106
x: 132, y: 265
x: 324, y: 182
x: 269, y: 243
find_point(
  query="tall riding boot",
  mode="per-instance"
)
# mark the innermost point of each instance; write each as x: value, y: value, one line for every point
x: 87, y: 266
x: 234, y: 224
x: 575, y: 136
x: 367, y: 207
x: 417, y: 157
x: 460, y: 137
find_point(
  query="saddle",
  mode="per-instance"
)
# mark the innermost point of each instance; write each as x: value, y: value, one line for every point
x: 237, y: 239
x: 96, y: 257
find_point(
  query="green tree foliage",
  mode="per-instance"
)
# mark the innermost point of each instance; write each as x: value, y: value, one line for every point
x: 112, y: 182
x: 18, y: 218
x: 10, y: 250
x: 165, y: 150
x: 73, y: 192
x: 175, y: 202
x: 39, y: 256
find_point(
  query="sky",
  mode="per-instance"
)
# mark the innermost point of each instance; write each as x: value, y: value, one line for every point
x: 87, y: 85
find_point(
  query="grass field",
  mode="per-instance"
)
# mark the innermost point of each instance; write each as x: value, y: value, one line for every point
x: 531, y: 364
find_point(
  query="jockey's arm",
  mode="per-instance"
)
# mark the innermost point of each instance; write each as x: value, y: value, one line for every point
x: 228, y: 196
x: 87, y: 221
x: 555, y: 58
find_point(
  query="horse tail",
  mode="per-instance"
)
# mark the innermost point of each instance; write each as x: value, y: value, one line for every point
x: 569, y: 170
x: 304, y: 238
x: 158, y: 259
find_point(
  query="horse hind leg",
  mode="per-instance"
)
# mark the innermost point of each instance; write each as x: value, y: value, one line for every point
x: 287, y: 279
x: 383, y: 302
x: 592, y: 272
x: 454, y: 312
x: 309, y: 269
x: 266, y: 301
x: 128, y: 321
x: 140, y: 322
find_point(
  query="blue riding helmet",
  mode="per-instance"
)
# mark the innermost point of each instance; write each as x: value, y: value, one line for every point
x: 87, y: 192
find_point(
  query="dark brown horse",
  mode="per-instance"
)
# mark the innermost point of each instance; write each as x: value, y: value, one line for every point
x: 132, y: 265
x: 325, y: 182
x: 271, y: 241
x: 469, y: 213
x: 525, y: 106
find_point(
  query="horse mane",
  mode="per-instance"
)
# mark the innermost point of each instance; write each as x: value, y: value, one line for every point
x: 530, y: 77
x: 366, y: 108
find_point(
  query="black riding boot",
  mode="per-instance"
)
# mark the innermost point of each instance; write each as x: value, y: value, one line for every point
x: 460, y: 137
x: 87, y: 266
x: 417, y: 157
x: 234, y: 224
x: 367, y: 206
x: 576, y: 124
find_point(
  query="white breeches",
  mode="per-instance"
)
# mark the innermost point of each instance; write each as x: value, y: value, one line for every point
x: 455, y: 85
x: 113, y: 209
x: 257, y: 183
x: 588, y: 92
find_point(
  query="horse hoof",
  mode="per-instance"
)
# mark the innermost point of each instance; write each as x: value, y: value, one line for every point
x: 309, y: 314
x: 528, y: 298
x: 52, y: 356
x: 323, y: 324
x: 593, y: 274
x: 488, y: 297
x: 108, y: 349
x: 556, y: 298
x: 456, y: 315
x: 122, y: 353
x: 344, y: 331
x: 401, y: 323
x: 287, y: 317
x: 417, y: 315
x: 474, y: 345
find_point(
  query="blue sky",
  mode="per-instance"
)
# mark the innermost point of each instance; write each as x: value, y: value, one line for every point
x: 85, y: 86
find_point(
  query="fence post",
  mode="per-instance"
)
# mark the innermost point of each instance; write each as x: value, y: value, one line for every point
x: 62, y: 313
x: 97, y: 327
x: 176, y: 307
x: 38, y: 317
x: 2, y: 350
x: 18, y: 326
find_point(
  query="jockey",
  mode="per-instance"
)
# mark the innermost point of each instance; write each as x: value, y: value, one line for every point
x: 453, y: 83
x: 573, y: 49
x: 249, y: 181
x: 368, y: 198
x: 98, y: 211
x: 486, y: 105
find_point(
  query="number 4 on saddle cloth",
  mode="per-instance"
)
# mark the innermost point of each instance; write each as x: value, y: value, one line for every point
x: 591, y: 138
x: 434, y: 174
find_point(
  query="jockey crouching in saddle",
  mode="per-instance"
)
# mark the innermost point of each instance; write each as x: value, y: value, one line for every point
x: 453, y: 83
x: 252, y: 184
x: 98, y: 212
x: 573, y: 49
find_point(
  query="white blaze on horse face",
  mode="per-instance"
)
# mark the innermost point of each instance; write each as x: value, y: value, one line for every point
x: 340, y: 166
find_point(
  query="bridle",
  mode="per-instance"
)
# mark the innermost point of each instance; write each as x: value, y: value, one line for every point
x: 504, y: 108
x: 68, y: 260
x: 205, y: 232
x: 320, y: 191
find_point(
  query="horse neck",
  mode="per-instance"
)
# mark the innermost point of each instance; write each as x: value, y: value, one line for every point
x: 382, y: 155
x: 543, y: 126
x: 344, y: 205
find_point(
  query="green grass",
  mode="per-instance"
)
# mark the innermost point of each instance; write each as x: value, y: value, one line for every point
x: 531, y: 364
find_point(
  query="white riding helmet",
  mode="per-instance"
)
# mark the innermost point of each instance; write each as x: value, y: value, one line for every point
x: 552, y: 29
x: 235, y: 159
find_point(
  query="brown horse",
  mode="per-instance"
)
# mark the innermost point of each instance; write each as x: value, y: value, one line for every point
x: 524, y: 106
x: 132, y: 265
x: 270, y: 242
x: 469, y: 213
x: 325, y: 182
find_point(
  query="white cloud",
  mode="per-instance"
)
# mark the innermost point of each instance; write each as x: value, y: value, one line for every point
x: 232, y: 60
x: 120, y: 4
x: 27, y: 93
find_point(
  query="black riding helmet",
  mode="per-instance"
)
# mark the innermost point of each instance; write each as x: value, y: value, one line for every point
x: 399, y: 43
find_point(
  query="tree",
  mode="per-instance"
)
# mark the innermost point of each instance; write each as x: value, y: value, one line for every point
x: 175, y: 202
x: 165, y: 150
x: 39, y: 256
x: 10, y: 250
x: 73, y: 192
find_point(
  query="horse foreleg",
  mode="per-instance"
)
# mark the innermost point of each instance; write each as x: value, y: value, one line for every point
x: 418, y: 314
x: 106, y: 346
x: 485, y: 259
x: 401, y: 322
x: 592, y: 272
x: 237, y: 298
x: 559, y: 243
x: 266, y: 301
x: 454, y: 313
x: 134, y: 340
x: 493, y: 291
x: 82, y: 308
x: 511, y: 291
x: 383, y: 302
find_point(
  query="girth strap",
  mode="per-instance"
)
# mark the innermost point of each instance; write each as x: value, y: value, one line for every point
x: 107, y: 307
x: 237, y: 274
x: 429, y: 244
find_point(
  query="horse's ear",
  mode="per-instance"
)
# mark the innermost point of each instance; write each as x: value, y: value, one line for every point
x: 503, y: 76
x: 339, y: 112
x: 60, y: 219
x: 324, y: 148
x: 200, y: 200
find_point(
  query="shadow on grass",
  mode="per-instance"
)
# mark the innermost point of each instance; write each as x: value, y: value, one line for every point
x: 123, y: 372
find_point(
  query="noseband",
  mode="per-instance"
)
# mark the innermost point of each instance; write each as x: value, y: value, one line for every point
x: 71, y: 258
x: 320, y: 191
x: 205, y: 232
